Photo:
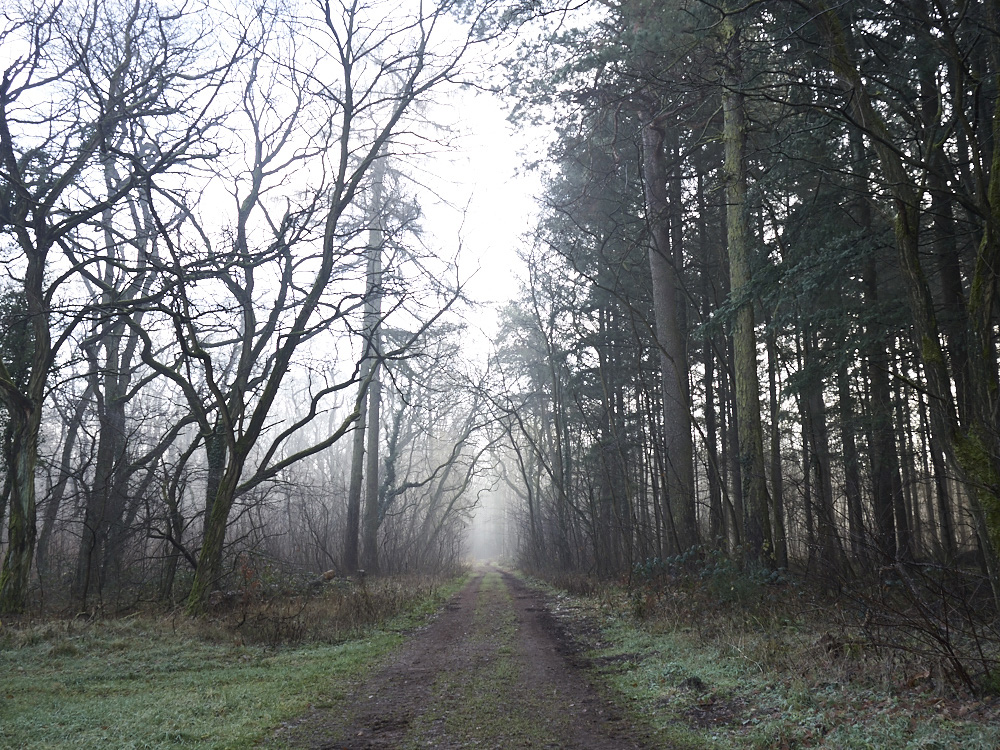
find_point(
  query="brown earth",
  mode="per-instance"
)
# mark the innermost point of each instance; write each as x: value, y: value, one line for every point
x: 494, y: 670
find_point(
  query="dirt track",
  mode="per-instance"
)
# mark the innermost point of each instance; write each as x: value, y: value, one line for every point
x: 494, y: 670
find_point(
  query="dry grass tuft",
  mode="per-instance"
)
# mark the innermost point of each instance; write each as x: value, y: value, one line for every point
x: 336, y: 611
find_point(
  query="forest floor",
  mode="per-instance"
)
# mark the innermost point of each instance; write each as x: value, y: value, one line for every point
x: 495, y: 670
x: 163, y: 681
x: 712, y: 659
x: 512, y: 663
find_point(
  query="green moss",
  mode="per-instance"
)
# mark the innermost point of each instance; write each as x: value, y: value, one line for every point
x: 977, y: 464
x: 930, y: 351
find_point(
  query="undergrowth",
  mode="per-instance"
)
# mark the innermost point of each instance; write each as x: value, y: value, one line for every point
x: 224, y: 681
x: 339, y: 609
x: 713, y: 655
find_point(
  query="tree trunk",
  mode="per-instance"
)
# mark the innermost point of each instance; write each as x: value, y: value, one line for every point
x: 373, y: 335
x: 808, y: 505
x: 107, y: 498
x: 21, y: 525
x: 209, y: 570
x: 716, y: 512
x: 942, y: 494
x: 818, y: 444
x: 24, y: 409
x: 852, y: 469
x: 670, y: 338
x: 903, y: 498
x: 352, y: 530
x: 372, y: 511
x: 777, y: 477
x: 758, y: 541
x: 733, y: 477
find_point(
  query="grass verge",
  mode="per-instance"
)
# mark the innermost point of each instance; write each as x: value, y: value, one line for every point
x: 767, y: 668
x: 156, y: 682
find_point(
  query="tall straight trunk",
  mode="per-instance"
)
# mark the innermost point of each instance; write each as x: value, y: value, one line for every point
x: 777, y: 477
x: 852, y: 468
x: 372, y: 511
x: 731, y: 456
x: 716, y: 513
x: 665, y: 273
x: 675, y: 204
x: 758, y: 541
x: 7, y: 448
x: 821, y: 464
x: 352, y: 529
x: 926, y: 525
x: 651, y: 496
x: 823, y: 494
x: 882, y: 446
x: 942, y: 491
x: 104, y: 506
x: 552, y: 430
x: 902, y: 505
x: 563, y: 530
x: 106, y: 501
x: 883, y: 453
x: 615, y: 480
x: 648, y: 404
x: 641, y: 469
x: 367, y: 372
x: 373, y: 333
x: 808, y: 504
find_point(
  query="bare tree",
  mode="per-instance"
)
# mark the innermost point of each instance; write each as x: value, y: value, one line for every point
x: 324, y: 95
x: 88, y: 84
x: 438, y: 448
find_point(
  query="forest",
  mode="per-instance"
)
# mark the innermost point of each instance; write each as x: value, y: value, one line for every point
x: 215, y: 280
x: 759, y: 313
x: 756, y: 319
x: 744, y: 399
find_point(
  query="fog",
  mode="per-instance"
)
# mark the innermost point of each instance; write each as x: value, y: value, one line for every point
x: 491, y: 533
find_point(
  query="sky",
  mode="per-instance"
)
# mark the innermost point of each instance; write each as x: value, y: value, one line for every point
x: 489, y: 199
x: 490, y: 207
